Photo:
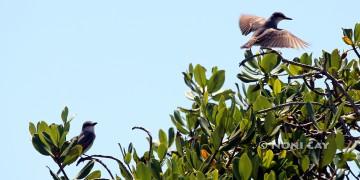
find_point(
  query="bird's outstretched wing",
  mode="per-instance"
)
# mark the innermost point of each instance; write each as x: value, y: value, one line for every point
x: 275, y: 38
x: 250, y: 23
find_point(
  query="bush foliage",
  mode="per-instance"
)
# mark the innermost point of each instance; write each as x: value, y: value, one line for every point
x: 288, y: 119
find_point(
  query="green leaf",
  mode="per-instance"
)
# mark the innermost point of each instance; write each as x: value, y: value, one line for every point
x: 127, y: 158
x: 246, y: 78
x: 73, y: 154
x: 94, y: 175
x: 32, y: 128
x: 171, y: 136
x: 163, y: 137
x: 54, y: 133
x: 253, y: 92
x: 269, y: 62
x: 306, y: 59
x: 216, y: 81
x: 339, y: 138
x: 40, y: 146
x: 54, y: 176
x: 335, y: 60
x: 305, y: 163
x: 199, y: 74
x: 277, y: 86
x: 64, y: 114
x: 328, y: 153
x: 242, y: 167
x: 270, y: 176
x: 260, y: 103
x: 162, y: 149
x: 142, y: 172
x: 348, y: 33
x: 270, y: 123
x: 295, y: 70
x: 124, y: 172
x: 357, y: 32
x: 85, y: 170
x: 267, y: 159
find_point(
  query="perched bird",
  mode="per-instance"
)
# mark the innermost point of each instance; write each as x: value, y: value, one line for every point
x: 267, y: 34
x: 87, y: 135
x: 85, y: 138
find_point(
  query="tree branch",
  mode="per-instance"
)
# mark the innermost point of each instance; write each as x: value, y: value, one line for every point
x: 115, y: 159
x: 150, y: 138
x: 61, y: 169
x: 286, y: 104
x: 87, y: 158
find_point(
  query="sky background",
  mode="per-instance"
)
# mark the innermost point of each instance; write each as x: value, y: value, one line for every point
x: 119, y: 63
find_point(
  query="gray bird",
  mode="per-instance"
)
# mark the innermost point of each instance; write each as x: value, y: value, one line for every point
x: 267, y: 34
x: 85, y: 139
x: 87, y: 135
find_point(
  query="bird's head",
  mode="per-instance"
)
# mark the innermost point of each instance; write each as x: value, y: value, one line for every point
x: 278, y: 16
x: 89, y: 126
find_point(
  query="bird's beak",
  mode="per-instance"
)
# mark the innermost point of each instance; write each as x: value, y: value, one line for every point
x: 95, y: 123
x: 288, y: 18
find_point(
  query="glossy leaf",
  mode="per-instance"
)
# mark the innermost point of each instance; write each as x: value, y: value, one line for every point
x: 269, y: 62
x: 277, y: 86
x: 199, y: 74
x: 216, y: 81
x: 73, y: 154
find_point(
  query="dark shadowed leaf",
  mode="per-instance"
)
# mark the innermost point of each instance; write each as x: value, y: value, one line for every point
x: 64, y: 114
x: 53, y: 175
x: 171, y: 136
x: 40, y: 146
x: 85, y: 170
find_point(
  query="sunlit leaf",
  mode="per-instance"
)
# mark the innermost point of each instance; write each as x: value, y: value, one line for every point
x: 199, y: 74
x: 94, y: 175
x: 216, y: 81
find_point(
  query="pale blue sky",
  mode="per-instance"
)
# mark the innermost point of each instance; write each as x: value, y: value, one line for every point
x: 119, y: 62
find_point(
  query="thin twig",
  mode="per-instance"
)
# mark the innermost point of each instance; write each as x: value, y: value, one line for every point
x: 286, y: 104
x: 356, y: 52
x: 336, y: 83
x: 115, y: 159
x: 303, y: 75
x: 352, y: 173
x: 313, y: 89
x: 97, y: 160
x: 253, y: 56
x: 61, y: 169
x: 150, y: 138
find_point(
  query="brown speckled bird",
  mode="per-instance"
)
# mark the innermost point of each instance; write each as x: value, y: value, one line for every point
x: 267, y: 34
